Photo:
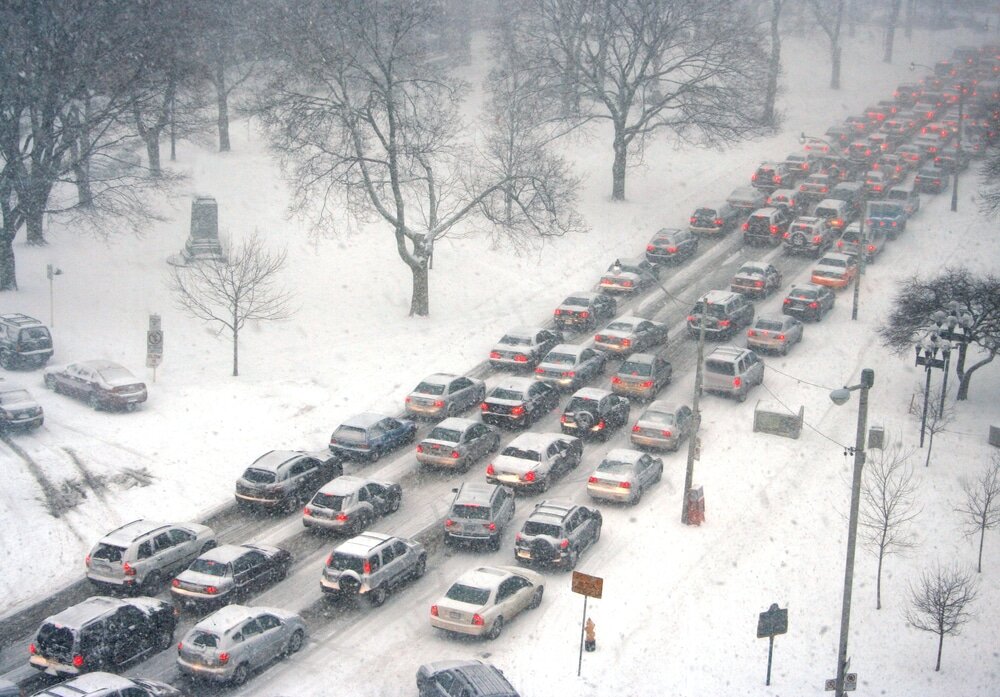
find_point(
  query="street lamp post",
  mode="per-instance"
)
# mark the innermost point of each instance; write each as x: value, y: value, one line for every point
x: 927, y: 356
x: 840, y: 397
x: 52, y: 272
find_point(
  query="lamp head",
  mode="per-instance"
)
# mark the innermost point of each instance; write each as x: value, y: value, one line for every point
x: 616, y: 268
x: 802, y: 138
x: 840, y: 396
x: 913, y: 66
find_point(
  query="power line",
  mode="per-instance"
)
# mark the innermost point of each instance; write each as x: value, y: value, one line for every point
x: 791, y: 411
x: 798, y: 379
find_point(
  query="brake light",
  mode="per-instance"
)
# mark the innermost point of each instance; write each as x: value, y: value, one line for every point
x: 737, y: 381
x: 78, y: 661
x: 529, y: 476
x: 650, y: 248
x: 540, y: 371
x: 616, y: 380
x: 87, y: 560
x: 569, y: 374
x: 671, y: 250
x: 490, y: 470
x: 746, y: 226
x: 491, y: 526
x: 636, y: 429
x: 624, y: 485
x: 407, y: 400
x: 494, y: 354
x: 585, y: 314
x: 758, y: 284
x: 367, y: 567
x: 817, y: 239
x: 693, y: 220
x: 718, y: 221
x: 813, y: 305
x: 724, y: 323
x: 211, y: 590
x: 517, y: 411
x: 329, y: 561
x: 626, y: 284
x: 751, y: 332
x: 455, y: 455
x: 787, y: 235
x: 840, y: 244
x: 484, y: 407
x: 787, y: 301
x: 175, y: 583
x: 593, y: 480
x: 564, y: 544
x: 777, y: 178
x: 871, y: 248
x: 32, y: 650
x: 128, y: 569
x: 341, y: 517
x: 824, y: 189
x: 600, y: 424
x: 224, y: 657
x: 449, y: 522
x: 420, y: 448
x: 477, y: 620
x: 438, y: 403
x: 647, y: 384
x: 753, y: 177
x: 666, y: 433
x: 434, y: 610
x: 691, y: 318
x: 781, y: 337
x: 774, y: 229
x: 626, y: 343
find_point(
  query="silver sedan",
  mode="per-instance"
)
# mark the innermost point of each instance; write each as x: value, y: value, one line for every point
x: 624, y: 475
x: 456, y: 443
x: 774, y: 333
x: 442, y: 395
x: 483, y: 600
x: 663, y: 425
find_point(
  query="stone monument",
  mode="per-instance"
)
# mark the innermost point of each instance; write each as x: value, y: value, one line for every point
x: 203, y: 241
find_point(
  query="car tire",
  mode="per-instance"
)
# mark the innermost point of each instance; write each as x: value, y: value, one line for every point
x: 151, y: 584
x: 495, y: 629
x: 361, y: 524
x: 94, y: 402
x: 659, y: 472
x: 164, y: 639
x: 420, y: 568
x: 240, y: 675
x: 742, y: 396
x: 494, y: 543
x: 375, y: 455
x: 377, y: 596
x: 536, y: 598
x: 449, y: 541
x: 295, y: 642
x: 394, y: 503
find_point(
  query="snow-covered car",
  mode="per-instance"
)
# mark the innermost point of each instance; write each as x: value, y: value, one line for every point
x: 523, y: 347
x: 228, y: 573
x: 756, y: 279
x: 594, y: 413
x: 234, y: 641
x: 835, y: 270
x: 372, y: 564
x: 662, y: 426
x: 532, y: 459
x: 350, y: 504
x: 628, y: 334
x: 368, y: 436
x: 774, y: 333
x: 482, y: 601
x: 568, y: 366
x: 557, y: 533
x: 18, y: 409
x: 623, y: 475
x: 518, y: 402
x: 642, y: 375
x: 456, y: 443
x: 629, y: 276
x: 443, y: 395
x: 102, y: 384
x: 99, y: 684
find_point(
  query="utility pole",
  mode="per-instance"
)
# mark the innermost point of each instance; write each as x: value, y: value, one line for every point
x: 696, y: 412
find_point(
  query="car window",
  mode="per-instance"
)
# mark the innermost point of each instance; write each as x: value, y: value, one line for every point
x: 180, y: 536
x: 468, y: 594
x: 586, y: 354
x: 298, y: 468
x: 241, y: 564
x: 399, y: 548
x: 128, y: 616
x: 388, y: 554
x: 269, y: 622
x: 251, y: 628
x: 505, y: 589
x: 132, y: 691
x: 162, y: 542
x: 108, y: 552
x: 461, y: 384
x: 363, y: 494
x: 145, y: 551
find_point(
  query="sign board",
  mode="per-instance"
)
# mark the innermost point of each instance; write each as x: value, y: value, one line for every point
x: 154, y: 342
x: 591, y: 586
x: 776, y: 420
x: 850, y: 683
x: 772, y: 622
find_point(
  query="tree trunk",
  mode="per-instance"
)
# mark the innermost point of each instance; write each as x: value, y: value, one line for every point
x: 940, y: 645
x: 173, y: 133
x: 835, y: 68
x: 84, y: 194
x: 34, y: 217
x: 420, y: 301
x: 152, y: 140
x: 236, y: 353
x: 774, y: 65
x: 222, y: 99
x: 982, y: 534
x: 8, y: 269
x: 618, y: 168
x: 878, y: 581
x: 890, y: 30
x: 966, y: 378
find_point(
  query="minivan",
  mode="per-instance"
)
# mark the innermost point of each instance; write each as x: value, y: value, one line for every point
x: 731, y: 370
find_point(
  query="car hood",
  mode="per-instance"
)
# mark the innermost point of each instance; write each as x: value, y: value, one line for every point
x: 506, y: 463
x: 17, y: 406
x: 505, y: 402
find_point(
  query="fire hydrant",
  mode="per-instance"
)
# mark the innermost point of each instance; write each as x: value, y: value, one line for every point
x: 590, y: 641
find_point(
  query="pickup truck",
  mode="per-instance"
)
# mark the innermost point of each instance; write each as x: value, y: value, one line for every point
x: 887, y: 216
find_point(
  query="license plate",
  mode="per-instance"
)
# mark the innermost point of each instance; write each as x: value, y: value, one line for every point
x: 523, y: 554
x: 455, y: 615
x: 513, y: 478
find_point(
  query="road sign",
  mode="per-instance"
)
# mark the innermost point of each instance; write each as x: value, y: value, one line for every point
x: 154, y: 341
x: 772, y: 622
x: 591, y: 586
x: 831, y: 685
x: 850, y: 683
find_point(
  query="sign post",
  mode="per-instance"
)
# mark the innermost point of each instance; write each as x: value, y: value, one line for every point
x: 770, y: 623
x: 154, y: 344
x: 588, y: 587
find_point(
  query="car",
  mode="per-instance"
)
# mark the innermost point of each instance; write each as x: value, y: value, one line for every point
x: 882, y: 144
x: 18, y: 409
x: 907, y: 93
x: 814, y: 189
x: 456, y: 443
x: 861, y: 153
x: 929, y: 145
x: 808, y: 302
x: 102, y: 632
x: 835, y: 213
x: 671, y: 245
x: 556, y: 533
x: 227, y: 573
x: 373, y: 565
x: 905, y: 195
x: 709, y: 220
x: 801, y: 164
x: 584, y: 310
x: 788, y: 198
x: 23, y: 341
x: 839, y: 135
x: 662, y: 426
x: 100, y: 684
x: 851, y: 193
x: 889, y: 217
x: 532, y: 460
x: 771, y: 333
x: 479, y: 513
x: 594, y: 413
x: 568, y: 366
x: 482, y: 601
x: 771, y: 175
x: 756, y: 279
x: 442, y: 395
x: 766, y: 225
x: 523, y: 347
x: 876, y: 184
x: 629, y: 276
x: 835, y: 270
x: 518, y: 402
x: 931, y: 180
x: 102, y: 384
x: 876, y: 113
x: 874, y: 241
x: 624, y: 475
x: 350, y: 504
x: 809, y: 235
x: 140, y: 556
x: 913, y: 154
x: 234, y: 641
x: 282, y: 480
x: 732, y: 371
x: 896, y: 127
x: 642, y: 375
x: 746, y: 199
x: 721, y: 313
x: 628, y: 334
x: 471, y: 678
x: 894, y: 167
x: 858, y: 125
x: 369, y: 436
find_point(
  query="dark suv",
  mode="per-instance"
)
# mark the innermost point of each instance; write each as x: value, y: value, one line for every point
x: 772, y: 175
x: 725, y: 313
x: 102, y: 633
x: 592, y: 412
x: 584, y: 309
x: 285, y: 479
x: 466, y: 678
x: 479, y: 513
x: 23, y: 341
x: 767, y: 225
x: 557, y: 532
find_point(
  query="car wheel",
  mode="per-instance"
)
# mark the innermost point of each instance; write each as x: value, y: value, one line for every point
x: 496, y: 629
x: 494, y: 543
x: 452, y: 410
x: 240, y: 675
x: 361, y: 524
x: 394, y: 503
x: 544, y: 484
x: 94, y: 402
x: 536, y: 598
x: 742, y: 396
x: 377, y: 596
x: 7, y: 361
x: 374, y: 455
x: 151, y: 585
x: 295, y: 642
x: 131, y: 406
x: 50, y: 382
x: 164, y: 639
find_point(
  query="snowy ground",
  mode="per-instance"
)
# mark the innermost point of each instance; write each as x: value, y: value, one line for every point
x: 680, y: 605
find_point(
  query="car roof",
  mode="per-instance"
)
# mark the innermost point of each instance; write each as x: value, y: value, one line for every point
x: 631, y: 319
x: 553, y: 508
x: 484, y: 577
x: 77, y: 615
x: 586, y: 294
x: 364, y: 420
x: 363, y: 543
x: 225, y: 618
x: 806, y: 286
x: 640, y: 358
x: 88, y: 683
x: 226, y: 554
x: 758, y: 265
x: 343, y: 485
x: 274, y: 459
x: 130, y: 532
x: 727, y: 352
x: 717, y: 296
x: 766, y: 211
x: 664, y: 406
x: 594, y: 393
x: 456, y: 423
x: 632, y: 261
x: 666, y: 232
x: 781, y: 319
x: 475, y: 493
x: 439, y: 378
x: 516, y: 384
x: 534, y: 441
x: 100, y: 365
x: 574, y: 349
x: 623, y: 455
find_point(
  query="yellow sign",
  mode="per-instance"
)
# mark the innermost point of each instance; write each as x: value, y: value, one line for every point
x: 591, y: 586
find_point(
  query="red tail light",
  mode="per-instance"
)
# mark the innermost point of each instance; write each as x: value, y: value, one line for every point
x: 593, y: 480
x: 724, y: 322
x: 813, y: 305
x: 477, y: 620
x: 693, y: 220
x: 307, y: 511
x: 455, y: 455
x: 585, y: 314
x: 562, y: 419
x: 781, y: 337
x: 211, y: 590
x: 691, y: 318
x: 407, y: 400
x: 746, y: 226
x: 434, y: 610
x: 737, y: 381
x: 439, y: 403
x: 624, y: 485
x: 449, y: 522
x: 817, y: 239
x: 529, y: 476
x: 774, y: 229
x: 329, y: 561
x: 484, y: 407
x: 540, y: 371
x: 175, y: 583
x: 871, y: 248
x: 491, y: 526
x: 758, y: 284
x: 626, y: 284
x: 718, y: 221
x: 650, y: 248
x: 787, y: 236
x: 517, y: 411
x: 32, y: 650
x: 342, y: 517
x: 224, y: 657
x: 494, y: 354
x: 420, y: 448
x: 753, y: 177
x: 129, y: 571
x: 87, y: 560
x: 666, y: 433
x: 569, y: 374
x: 840, y: 244
x: 751, y: 332
x: 367, y: 567
x: 78, y: 661
x: 777, y: 178
x: 564, y: 544
x: 616, y: 380
x: 671, y: 250
x: 636, y: 429
x: 489, y: 469
x: 626, y: 343
x: 824, y: 189
x: 647, y: 384
x: 787, y: 301
x: 601, y: 425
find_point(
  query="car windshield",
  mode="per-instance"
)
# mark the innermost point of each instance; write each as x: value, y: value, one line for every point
x: 578, y: 302
x: 621, y: 326
x: 659, y: 417
x: 204, y: 639
x: 108, y: 552
x: 354, y: 434
x: 635, y: 368
x: 462, y: 593
x: 259, y: 476
x: 511, y: 340
x: 614, y: 467
x: 584, y: 403
x: 751, y: 270
x: 803, y: 294
x: 429, y: 388
x: 207, y: 566
x: 721, y: 367
x: 714, y: 310
x: 502, y: 393
x: 534, y: 527
x: 332, y: 501
x: 29, y: 333
x: 561, y: 358
x: 827, y: 261
x: 14, y: 396
x: 448, y: 435
x: 347, y: 562
x: 771, y: 325
x: 469, y: 510
x: 513, y: 451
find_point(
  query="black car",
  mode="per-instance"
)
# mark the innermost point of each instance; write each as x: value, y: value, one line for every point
x: 228, y: 573
x: 713, y: 220
x: 722, y: 312
x: 285, y: 479
x: 102, y: 633
x: 808, y: 301
x: 584, y: 310
x: 519, y: 402
x: 671, y: 244
x: 594, y: 413
x: 23, y: 341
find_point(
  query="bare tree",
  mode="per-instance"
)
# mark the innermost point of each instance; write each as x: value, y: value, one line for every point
x: 989, y: 183
x: 887, y: 506
x: 769, y: 116
x: 830, y: 17
x: 688, y: 67
x: 981, y: 509
x: 940, y: 414
x: 241, y: 287
x: 939, y: 603
x: 891, y: 20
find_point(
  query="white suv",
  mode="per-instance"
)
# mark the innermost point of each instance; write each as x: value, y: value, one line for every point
x: 732, y: 371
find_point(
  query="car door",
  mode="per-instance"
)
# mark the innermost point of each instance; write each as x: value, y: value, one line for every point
x: 166, y: 555
x: 251, y: 650
x: 586, y: 363
x: 586, y: 527
x: 187, y: 545
x: 479, y: 440
x: 405, y: 559
x: 392, y: 430
x: 274, y: 635
x: 644, y: 469
x: 460, y: 392
x: 375, y: 494
x: 243, y: 572
x: 129, y: 634
x: 504, y: 507
x: 506, y: 599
